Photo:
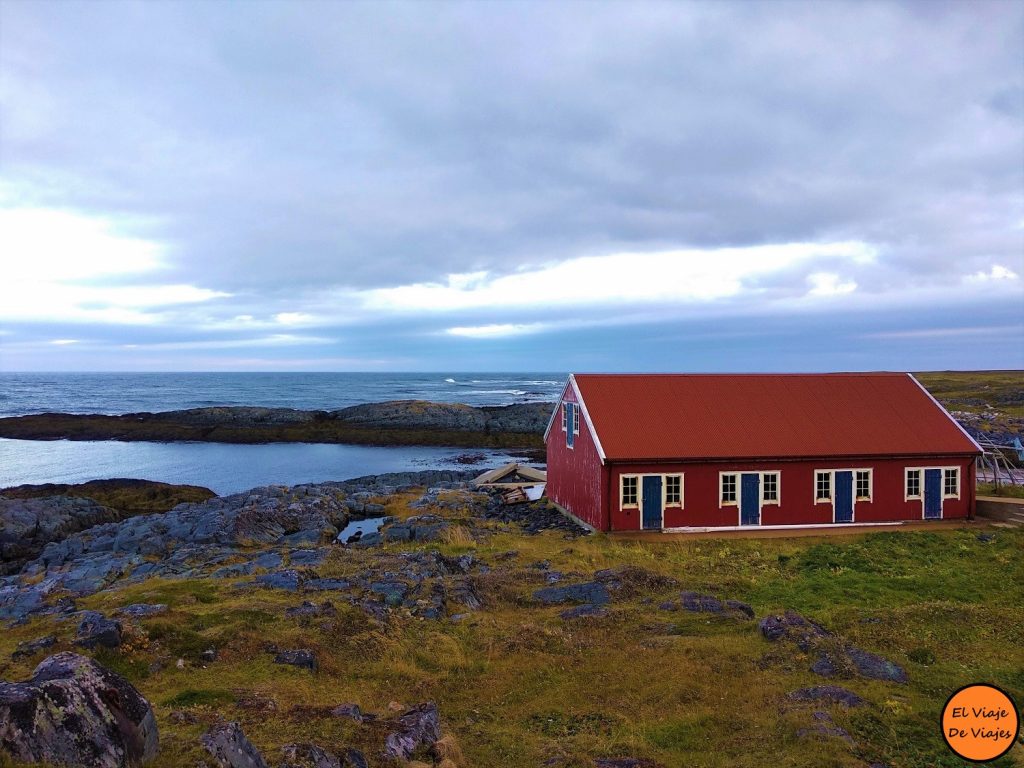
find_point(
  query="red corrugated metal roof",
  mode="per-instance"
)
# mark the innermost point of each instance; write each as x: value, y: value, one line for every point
x: 694, y: 416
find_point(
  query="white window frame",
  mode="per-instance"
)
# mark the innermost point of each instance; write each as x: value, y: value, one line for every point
x: 721, y: 489
x: 871, y: 485
x: 853, y: 491
x: 777, y: 501
x: 831, y: 489
x: 639, y: 477
x: 958, y: 473
x: 920, y: 484
x: 664, y: 485
x: 942, y: 494
x: 565, y: 415
x: 622, y: 493
x: 575, y: 418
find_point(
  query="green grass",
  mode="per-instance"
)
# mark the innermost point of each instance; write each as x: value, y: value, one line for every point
x: 1008, y: 491
x: 518, y: 686
x: 977, y: 391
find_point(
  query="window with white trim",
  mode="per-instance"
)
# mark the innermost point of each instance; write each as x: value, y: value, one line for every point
x: 673, y: 490
x: 575, y: 418
x: 863, y: 484
x: 770, y: 488
x: 629, y: 490
x: 951, y: 483
x: 913, y: 484
x: 570, y: 423
x: 727, y: 489
x: 823, y: 486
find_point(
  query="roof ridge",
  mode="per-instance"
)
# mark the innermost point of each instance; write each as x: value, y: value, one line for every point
x: 747, y: 373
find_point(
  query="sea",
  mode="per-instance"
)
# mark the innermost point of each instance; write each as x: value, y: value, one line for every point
x: 228, y: 468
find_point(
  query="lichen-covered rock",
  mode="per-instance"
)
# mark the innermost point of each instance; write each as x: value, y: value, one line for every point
x: 698, y: 603
x: 230, y: 748
x: 32, y: 647
x: 353, y: 758
x: 351, y: 711
x: 142, y: 610
x: 418, y: 727
x: 830, y: 693
x: 96, y: 629
x: 792, y: 626
x: 586, y: 610
x: 74, y: 712
x: 874, y: 666
x: 298, y: 658
x: 309, y: 756
x: 28, y: 525
x: 593, y: 592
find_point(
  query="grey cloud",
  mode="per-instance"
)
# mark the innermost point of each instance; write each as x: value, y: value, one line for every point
x: 283, y: 149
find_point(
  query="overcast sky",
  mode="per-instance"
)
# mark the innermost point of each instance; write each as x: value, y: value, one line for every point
x: 511, y: 186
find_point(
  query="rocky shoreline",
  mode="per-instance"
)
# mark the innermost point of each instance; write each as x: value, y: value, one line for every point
x: 239, y: 631
x: 397, y: 422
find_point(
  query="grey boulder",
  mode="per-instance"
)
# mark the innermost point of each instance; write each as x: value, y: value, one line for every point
x: 418, y: 727
x: 96, y: 629
x: 74, y: 712
x: 230, y: 748
x: 592, y: 592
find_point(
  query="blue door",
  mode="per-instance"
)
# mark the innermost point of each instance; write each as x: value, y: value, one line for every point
x: 844, y: 497
x: 750, y: 499
x: 932, y: 494
x: 652, y: 502
x: 570, y: 424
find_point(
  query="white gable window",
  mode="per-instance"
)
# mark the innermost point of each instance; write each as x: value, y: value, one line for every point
x: 570, y: 423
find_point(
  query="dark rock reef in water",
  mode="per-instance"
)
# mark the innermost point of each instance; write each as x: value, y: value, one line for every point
x: 74, y: 712
x: 397, y: 422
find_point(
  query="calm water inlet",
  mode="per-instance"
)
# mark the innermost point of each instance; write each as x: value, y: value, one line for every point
x: 222, y: 468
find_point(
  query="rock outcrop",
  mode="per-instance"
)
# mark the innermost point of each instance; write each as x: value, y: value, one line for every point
x: 32, y: 516
x: 416, y: 728
x: 28, y: 525
x: 207, y: 538
x: 398, y: 422
x: 230, y: 748
x: 74, y: 712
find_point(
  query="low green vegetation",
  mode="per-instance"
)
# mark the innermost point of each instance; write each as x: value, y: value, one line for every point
x: 977, y: 391
x: 1003, y: 489
x: 517, y: 685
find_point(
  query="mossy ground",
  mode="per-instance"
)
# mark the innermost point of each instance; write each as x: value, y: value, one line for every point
x: 517, y: 685
x: 130, y: 497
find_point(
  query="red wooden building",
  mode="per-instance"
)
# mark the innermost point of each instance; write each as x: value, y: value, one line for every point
x: 661, y: 451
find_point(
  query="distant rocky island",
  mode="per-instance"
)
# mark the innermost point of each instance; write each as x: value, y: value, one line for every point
x: 397, y: 422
